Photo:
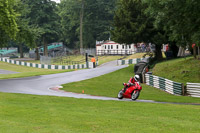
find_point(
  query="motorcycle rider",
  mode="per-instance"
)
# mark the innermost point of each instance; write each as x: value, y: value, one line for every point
x: 133, y: 81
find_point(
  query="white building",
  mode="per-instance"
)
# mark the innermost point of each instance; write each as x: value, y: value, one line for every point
x: 113, y: 48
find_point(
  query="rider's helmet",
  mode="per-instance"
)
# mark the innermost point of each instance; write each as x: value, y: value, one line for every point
x: 137, y: 77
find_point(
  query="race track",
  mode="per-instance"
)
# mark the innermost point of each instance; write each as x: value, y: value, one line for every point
x: 47, y: 84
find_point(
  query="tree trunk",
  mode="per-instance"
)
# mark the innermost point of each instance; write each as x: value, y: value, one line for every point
x: 21, y: 50
x: 158, y: 53
x: 81, y: 26
x: 37, y: 57
x: 194, y: 52
x: 45, y: 47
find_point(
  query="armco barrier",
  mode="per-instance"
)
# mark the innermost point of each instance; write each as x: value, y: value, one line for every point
x: 193, y: 89
x: 129, y: 61
x: 78, y: 66
x: 165, y: 84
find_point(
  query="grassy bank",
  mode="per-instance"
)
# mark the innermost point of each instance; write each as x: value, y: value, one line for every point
x: 25, y: 71
x: 181, y: 70
x: 41, y: 114
x: 110, y: 84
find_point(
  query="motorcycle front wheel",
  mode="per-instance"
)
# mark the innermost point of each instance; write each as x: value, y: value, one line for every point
x: 120, y: 94
x: 135, y: 95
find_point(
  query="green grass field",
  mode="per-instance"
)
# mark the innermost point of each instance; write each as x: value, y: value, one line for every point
x: 45, y: 114
x: 110, y: 84
x: 101, y: 59
x: 25, y: 71
x: 181, y: 70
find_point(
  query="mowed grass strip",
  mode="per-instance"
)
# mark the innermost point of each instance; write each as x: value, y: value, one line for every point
x: 110, y: 84
x: 106, y: 58
x: 41, y: 114
x: 25, y: 71
x: 180, y: 70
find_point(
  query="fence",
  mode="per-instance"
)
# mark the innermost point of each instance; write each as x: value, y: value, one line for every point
x: 193, y: 89
x: 77, y: 66
x: 90, y: 51
x: 115, y: 52
x: 45, y: 60
x: 165, y: 84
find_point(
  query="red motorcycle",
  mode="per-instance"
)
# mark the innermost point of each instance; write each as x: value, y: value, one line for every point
x: 130, y: 90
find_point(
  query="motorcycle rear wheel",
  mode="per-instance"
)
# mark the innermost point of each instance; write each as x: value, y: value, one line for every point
x: 135, y: 95
x: 120, y: 94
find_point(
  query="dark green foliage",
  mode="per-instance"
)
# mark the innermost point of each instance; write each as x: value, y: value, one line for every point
x: 179, y: 18
x: 129, y: 22
x: 132, y: 25
x: 8, y: 25
x: 97, y: 16
x: 43, y: 15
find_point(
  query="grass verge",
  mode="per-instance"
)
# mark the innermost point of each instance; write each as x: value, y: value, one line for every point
x: 104, y: 59
x: 180, y: 70
x: 110, y: 84
x: 25, y: 71
x: 41, y: 114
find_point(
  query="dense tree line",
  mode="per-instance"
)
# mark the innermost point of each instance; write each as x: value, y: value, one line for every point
x: 158, y: 21
x: 79, y: 23
x: 94, y: 17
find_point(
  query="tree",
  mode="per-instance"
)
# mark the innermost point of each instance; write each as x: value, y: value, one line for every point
x: 93, y: 15
x: 69, y: 12
x: 132, y: 25
x: 97, y: 23
x: 43, y: 15
x: 8, y: 25
x: 26, y: 35
x: 180, y: 19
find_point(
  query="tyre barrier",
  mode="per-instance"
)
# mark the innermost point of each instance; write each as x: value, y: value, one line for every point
x: 165, y: 84
x: 193, y: 89
x: 45, y: 66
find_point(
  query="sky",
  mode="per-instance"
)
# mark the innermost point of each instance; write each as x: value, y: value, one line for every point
x: 58, y: 1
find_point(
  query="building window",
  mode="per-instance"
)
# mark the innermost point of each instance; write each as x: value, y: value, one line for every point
x: 129, y: 46
x: 117, y: 46
x: 108, y: 46
x: 122, y: 46
x: 105, y: 46
x: 111, y: 46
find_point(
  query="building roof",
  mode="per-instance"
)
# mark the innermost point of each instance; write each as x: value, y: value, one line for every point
x: 107, y: 43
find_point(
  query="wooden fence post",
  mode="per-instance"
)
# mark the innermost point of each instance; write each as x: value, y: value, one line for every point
x: 183, y: 89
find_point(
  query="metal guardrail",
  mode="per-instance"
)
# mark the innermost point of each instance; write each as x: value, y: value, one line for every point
x: 130, y: 61
x: 45, y: 66
x: 193, y: 89
x: 165, y: 84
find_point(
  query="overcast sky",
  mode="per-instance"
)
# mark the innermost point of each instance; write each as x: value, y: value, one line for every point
x: 58, y: 1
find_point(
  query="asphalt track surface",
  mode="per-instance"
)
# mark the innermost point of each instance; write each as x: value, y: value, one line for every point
x: 40, y: 85
x: 6, y: 72
x: 48, y: 84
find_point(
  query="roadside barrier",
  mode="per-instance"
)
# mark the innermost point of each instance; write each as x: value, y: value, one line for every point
x: 193, y: 89
x: 129, y: 61
x: 77, y: 66
x: 165, y: 84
